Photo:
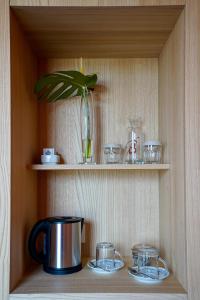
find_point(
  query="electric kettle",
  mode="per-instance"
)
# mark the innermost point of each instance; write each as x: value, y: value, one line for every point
x: 61, y: 244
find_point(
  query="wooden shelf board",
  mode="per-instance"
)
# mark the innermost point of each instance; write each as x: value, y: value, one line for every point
x: 95, y: 3
x: 88, y: 282
x: 80, y: 167
x: 101, y: 32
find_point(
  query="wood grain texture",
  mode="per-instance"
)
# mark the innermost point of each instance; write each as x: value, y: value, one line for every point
x: 172, y: 130
x: 192, y: 144
x: 90, y: 284
x: 106, y: 201
x: 100, y: 32
x: 127, y: 87
x: 85, y: 3
x: 24, y: 149
x: 101, y: 167
x: 5, y: 174
x: 122, y: 207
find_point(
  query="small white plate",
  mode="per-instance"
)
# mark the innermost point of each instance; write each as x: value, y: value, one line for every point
x: 152, y: 271
x: 119, y: 264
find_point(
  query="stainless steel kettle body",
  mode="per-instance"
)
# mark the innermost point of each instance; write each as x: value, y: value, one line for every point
x: 61, y: 244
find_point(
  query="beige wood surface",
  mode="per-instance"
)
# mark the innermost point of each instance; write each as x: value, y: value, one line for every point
x: 86, y: 3
x: 79, y: 185
x: 191, y: 168
x: 5, y: 150
x: 102, y: 167
x: 99, y: 32
x: 192, y: 146
x: 99, y: 296
x: 87, y: 281
x: 24, y: 145
x: 126, y: 88
x: 172, y: 129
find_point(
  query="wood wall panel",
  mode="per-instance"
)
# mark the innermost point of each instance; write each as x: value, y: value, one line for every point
x: 192, y: 146
x: 118, y: 206
x: 172, y: 130
x: 24, y: 149
x: 5, y: 150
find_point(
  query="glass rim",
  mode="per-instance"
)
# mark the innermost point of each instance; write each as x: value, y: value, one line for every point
x: 108, y: 146
x: 143, y: 249
x: 104, y: 245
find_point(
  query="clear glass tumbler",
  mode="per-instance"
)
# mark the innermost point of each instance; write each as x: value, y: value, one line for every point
x: 112, y: 153
x: 106, y: 255
x: 152, y: 152
x: 147, y: 260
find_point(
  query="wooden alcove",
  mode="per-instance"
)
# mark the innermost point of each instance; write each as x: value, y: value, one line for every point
x: 138, y: 52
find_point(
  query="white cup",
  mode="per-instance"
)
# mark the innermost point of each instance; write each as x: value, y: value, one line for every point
x: 50, y: 159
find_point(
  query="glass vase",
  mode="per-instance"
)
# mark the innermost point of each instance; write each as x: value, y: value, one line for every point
x: 87, y: 130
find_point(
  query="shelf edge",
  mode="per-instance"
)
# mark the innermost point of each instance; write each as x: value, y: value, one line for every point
x: 117, y: 167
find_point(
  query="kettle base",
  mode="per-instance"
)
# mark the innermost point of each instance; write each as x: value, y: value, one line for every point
x: 62, y: 271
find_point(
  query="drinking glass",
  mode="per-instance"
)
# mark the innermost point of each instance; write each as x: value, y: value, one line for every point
x: 106, y: 255
x: 147, y: 260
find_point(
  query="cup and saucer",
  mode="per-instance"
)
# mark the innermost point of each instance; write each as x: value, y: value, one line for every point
x: 108, y: 260
x: 148, y: 266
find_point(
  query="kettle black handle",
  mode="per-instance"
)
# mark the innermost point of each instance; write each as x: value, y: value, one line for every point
x: 82, y: 223
x: 39, y: 227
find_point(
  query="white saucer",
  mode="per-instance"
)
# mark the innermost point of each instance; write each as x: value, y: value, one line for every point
x: 152, y: 271
x: 119, y: 264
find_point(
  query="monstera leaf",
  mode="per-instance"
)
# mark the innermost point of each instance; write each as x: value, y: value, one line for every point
x: 64, y: 84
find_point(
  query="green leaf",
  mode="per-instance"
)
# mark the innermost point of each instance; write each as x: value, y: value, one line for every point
x: 91, y: 81
x: 64, y: 84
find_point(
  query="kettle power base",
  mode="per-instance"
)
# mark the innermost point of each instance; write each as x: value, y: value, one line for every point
x: 63, y: 271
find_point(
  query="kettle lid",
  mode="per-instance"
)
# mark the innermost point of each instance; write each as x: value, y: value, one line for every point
x: 64, y: 220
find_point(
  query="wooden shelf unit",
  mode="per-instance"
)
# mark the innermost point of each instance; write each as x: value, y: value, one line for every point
x: 100, y: 167
x: 138, y: 49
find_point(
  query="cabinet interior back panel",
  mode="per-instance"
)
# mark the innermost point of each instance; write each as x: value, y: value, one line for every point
x: 118, y: 206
